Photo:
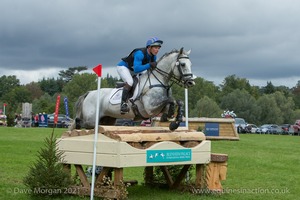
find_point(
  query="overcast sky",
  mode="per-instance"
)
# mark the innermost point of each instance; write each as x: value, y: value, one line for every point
x: 253, y: 39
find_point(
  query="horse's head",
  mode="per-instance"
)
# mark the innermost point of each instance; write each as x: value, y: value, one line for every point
x: 182, y: 70
x: 176, y: 66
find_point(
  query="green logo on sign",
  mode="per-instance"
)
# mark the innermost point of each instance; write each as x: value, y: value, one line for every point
x: 170, y: 155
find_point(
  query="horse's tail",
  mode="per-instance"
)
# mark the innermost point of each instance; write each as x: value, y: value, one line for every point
x: 78, y: 113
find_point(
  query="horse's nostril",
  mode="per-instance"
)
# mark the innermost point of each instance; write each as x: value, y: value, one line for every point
x: 190, y: 83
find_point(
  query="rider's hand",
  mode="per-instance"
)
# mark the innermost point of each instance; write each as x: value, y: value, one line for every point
x: 153, y: 65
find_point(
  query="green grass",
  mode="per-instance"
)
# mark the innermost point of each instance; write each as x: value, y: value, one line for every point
x: 259, y: 167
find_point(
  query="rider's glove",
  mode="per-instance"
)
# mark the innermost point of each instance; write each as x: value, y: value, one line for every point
x: 153, y: 65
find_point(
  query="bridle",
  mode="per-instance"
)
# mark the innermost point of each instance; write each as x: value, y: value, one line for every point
x: 183, y: 78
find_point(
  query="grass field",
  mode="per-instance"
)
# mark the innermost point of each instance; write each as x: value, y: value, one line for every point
x: 260, y: 167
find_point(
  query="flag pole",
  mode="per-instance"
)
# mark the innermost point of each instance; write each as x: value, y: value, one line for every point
x: 186, y: 108
x: 98, y: 71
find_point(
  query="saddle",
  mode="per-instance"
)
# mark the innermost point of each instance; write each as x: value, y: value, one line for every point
x: 116, y: 94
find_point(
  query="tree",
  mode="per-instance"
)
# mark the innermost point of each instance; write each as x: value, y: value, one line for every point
x: 243, y: 104
x: 269, y: 88
x: 45, y: 103
x: 286, y: 106
x: 16, y: 96
x: 67, y: 75
x: 35, y: 90
x: 202, y: 88
x: 233, y: 82
x: 8, y: 83
x: 51, y: 86
x: 206, y: 107
x: 80, y: 84
x: 47, y: 174
x: 270, y: 112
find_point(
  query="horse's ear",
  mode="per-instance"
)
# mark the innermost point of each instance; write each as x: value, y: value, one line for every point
x: 181, y: 50
x: 188, y: 52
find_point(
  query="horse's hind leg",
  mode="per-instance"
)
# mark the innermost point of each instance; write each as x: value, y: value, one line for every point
x: 77, y: 123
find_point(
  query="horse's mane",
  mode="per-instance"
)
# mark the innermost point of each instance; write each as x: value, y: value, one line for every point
x: 167, y: 54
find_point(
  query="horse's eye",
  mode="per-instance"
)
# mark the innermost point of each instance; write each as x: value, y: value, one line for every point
x: 182, y: 64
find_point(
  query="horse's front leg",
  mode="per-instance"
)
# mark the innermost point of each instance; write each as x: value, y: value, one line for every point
x: 169, y: 111
x: 179, y: 117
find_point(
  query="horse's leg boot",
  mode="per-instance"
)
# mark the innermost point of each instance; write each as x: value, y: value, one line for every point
x: 125, y: 94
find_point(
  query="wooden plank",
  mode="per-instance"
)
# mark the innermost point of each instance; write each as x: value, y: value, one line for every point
x: 200, y: 175
x: 140, y: 129
x: 118, y: 176
x: 222, y: 138
x: 167, y: 175
x: 149, y: 175
x: 82, y: 176
x: 105, y: 172
x: 157, y: 137
x: 180, y: 176
x: 214, y: 157
x: 77, y: 132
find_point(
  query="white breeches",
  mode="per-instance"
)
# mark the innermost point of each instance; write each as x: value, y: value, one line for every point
x: 125, y: 75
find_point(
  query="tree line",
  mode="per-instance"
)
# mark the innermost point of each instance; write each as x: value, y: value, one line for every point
x: 258, y: 105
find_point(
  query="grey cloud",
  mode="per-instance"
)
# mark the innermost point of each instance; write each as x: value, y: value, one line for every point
x: 253, y: 39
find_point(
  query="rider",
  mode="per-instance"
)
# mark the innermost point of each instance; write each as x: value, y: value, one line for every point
x: 139, y: 59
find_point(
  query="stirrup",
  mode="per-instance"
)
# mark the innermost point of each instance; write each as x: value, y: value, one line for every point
x: 124, y: 108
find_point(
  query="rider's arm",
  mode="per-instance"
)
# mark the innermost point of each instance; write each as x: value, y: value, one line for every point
x: 137, y: 62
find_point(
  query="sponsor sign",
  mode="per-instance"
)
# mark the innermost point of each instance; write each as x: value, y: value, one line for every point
x: 169, y: 155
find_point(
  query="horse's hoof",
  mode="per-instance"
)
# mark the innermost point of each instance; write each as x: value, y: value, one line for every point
x: 173, y: 126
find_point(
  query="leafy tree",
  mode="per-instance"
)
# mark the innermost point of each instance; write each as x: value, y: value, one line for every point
x: 270, y: 112
x: 269, y: 88
x: 202, y: 88
x: 16, y: 96
x: 67, y: 75
x: 45, y: 103
x: 206, y: 107
x: 80, y: 84
x: 243, y: 104
x: 51, y: 86
x: 286, y: 106
x: 296, y: 95
x: 233, y: 82
x: 35, y: 90
x: 8, y: 83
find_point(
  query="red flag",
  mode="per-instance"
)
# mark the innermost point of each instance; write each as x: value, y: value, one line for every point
x: 56, y: 109
x: 98, y: 70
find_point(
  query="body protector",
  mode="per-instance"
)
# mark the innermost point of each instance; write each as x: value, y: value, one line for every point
x: 130, y: 58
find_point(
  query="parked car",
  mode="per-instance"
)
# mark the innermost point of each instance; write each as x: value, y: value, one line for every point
x: 296, y: 127
x: 269, y: 129
x: 62, y: 121
x: 251, y: 128
x: 286, y: 129
x: 124, y: 122
x: 3, y: 120
x: 240, y: 125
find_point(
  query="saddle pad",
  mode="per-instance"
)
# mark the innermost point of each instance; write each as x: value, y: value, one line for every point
x: 116, y: 95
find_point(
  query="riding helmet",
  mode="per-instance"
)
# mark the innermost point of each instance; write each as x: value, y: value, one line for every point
x: 154, y: 41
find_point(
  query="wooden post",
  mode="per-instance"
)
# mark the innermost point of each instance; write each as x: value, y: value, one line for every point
x: 118, y: 176
x: 216, y: 171
x: 200, y: 176
x: 82, y: 176
x: 149, y: 176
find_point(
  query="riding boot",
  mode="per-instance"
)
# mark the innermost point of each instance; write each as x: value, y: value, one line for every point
x: 125, y: 94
